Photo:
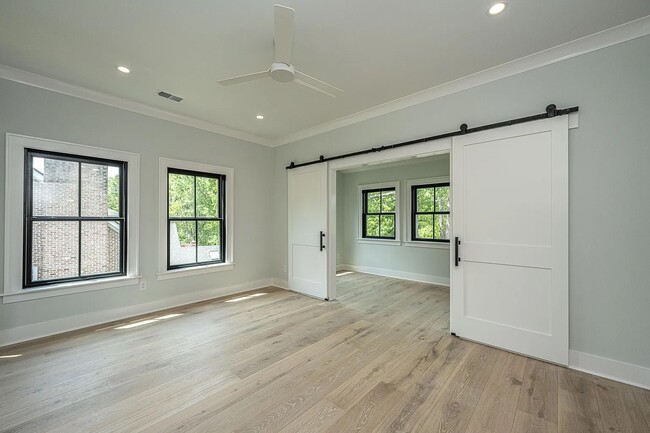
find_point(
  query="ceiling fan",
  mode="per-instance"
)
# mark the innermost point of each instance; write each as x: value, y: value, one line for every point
x: 281, y: 69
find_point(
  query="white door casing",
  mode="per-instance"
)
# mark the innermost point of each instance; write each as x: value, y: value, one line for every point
x: 307, y: 199
x: 510, y: 213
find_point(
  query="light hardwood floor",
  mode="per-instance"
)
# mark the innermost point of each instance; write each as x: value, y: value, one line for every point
x: 379, y: 359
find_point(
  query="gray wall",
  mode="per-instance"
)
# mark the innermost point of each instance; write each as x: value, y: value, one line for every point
x: 609, y: 178
x: 430, y: 262
x: 40, y: 113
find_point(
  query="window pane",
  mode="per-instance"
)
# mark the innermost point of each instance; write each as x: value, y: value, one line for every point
x: 372, y: 225
x: 388, y: 201
x: 181, y: 195
x: 55, y: 250
x: 387, y: 229
x: 425, y: 199
x: 55, y: 187
x: 100, y: 247
x: 182, y: 242
x: 373, y: 199
x: 424, y: 224
x: 441, y: 226
x: 207, y: 197
x: 100, y: 190
x: 442, y: 199
x: 209, y: 241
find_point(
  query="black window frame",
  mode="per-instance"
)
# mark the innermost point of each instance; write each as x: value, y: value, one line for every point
x: 29, y: 218
x: 415, y: 213
x: 365, y: 213
x: 195, y: 219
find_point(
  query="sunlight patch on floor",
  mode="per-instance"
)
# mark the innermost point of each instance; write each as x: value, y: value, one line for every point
x: 243, y: 298
x: 148, y: 321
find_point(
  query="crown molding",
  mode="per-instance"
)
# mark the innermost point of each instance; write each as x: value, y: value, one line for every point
x: 42, y: 82
x: 615, y: 35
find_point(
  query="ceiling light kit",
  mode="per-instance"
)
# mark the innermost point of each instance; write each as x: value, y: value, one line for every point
x: 497, y: 8
x: 123, y: 69
x: 259, y: 117
x: 281, y: 70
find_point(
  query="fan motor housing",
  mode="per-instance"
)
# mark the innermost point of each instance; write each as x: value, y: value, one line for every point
x: 282, y: 72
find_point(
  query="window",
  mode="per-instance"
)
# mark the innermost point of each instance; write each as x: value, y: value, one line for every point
x: 73, y: 223
x: 378, y: 218
x: 196, y: 232
x: 196, y: 218
x: 430, y: 212
x: 74, y: 218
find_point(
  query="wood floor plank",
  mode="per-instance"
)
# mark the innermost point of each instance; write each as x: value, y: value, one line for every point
x: 526, y: 423
x: 377, y: 359
x: 539, y: 393
x: 495, y: 411
x: 421, y: 398
x: 577, y: 405
x: 618, y: 406
x: 370, y: 410
x: 315, y: 420
x: 642, y: 397
x: 454, y: 406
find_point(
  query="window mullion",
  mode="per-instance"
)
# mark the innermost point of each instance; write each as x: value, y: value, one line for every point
x: 196, y: 227
x: 79, y: 205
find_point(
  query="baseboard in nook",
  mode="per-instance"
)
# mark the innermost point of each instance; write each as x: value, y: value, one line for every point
x: 65, y: 324
x: 411, y: 276
x: 619, y: 371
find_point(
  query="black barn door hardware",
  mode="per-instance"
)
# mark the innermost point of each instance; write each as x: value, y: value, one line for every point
x: 456, y: 250
x: 551, y: 111
x: 322, y: 236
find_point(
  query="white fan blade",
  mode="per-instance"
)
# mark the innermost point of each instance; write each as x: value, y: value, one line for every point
x: 244, y: 78
x: 317, y: 85
x: 285, y: 24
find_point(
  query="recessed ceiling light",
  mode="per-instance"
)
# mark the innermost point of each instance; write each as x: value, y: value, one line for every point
x: 123, y: 69
x: 496, y: 8
x: 259, y: 116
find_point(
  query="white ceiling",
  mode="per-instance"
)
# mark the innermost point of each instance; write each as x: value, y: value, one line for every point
x: 375, y: 50
x: 412, y: 160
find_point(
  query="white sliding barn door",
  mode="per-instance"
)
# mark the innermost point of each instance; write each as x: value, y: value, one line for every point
x: 510, y: 213
x: 307, y: 230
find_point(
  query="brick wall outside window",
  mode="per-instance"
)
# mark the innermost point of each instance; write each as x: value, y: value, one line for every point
x: 56, y: 244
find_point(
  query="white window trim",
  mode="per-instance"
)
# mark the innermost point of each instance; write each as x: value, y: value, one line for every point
x: 409, y: 241
x: 14, y: 190
x: 398, y: 207
x: 163, y: 165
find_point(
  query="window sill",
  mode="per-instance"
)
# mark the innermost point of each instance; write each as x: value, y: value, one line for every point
x: 424, y: 244
x: 391, y: 242
x: 69, y: 289
x: 188, y: 272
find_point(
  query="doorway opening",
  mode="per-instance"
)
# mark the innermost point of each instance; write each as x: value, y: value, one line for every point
x: 393, y: 220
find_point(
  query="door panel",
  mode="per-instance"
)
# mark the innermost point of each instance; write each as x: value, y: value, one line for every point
x: 307, y: 220
x: 510, y: 213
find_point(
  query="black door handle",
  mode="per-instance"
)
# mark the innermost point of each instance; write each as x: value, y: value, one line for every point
x: 322, y: 236
x: 456, y: 250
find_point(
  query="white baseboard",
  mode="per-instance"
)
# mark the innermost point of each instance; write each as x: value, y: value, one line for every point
x: 421, y: 278
x: 283, y: 284
x: 610, y: 368
x: 44, y: 329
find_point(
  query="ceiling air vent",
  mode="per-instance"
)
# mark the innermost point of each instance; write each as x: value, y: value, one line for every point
x: 170, y: 96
